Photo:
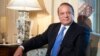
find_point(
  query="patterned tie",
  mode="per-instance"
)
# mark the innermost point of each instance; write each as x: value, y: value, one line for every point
x: 57, y: 43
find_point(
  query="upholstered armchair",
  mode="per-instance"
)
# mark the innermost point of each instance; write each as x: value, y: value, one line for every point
x: 37, y: 52
x: 92, y: 49
x: 93, y: 46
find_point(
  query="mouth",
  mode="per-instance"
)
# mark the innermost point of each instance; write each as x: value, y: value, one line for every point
x: 66, y: 19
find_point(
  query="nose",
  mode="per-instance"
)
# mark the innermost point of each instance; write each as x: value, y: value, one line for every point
x: 65, y: 15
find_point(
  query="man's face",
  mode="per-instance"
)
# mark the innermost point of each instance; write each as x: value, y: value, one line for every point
x: 65, y: 15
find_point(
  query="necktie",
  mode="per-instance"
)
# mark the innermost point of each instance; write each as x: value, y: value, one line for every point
x: 57, y: 43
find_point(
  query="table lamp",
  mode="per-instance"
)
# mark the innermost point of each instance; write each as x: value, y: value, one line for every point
x: 23, y: 23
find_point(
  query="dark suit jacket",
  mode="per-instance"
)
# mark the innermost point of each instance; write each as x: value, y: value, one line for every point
x: 74, y: 43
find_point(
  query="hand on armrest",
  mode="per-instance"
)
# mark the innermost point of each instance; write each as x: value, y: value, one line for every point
x: 19, y: 51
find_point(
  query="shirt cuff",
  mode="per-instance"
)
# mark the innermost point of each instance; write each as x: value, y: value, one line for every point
x: 21, y: 47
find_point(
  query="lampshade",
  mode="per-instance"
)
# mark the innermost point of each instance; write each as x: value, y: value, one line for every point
x: 25, y: 5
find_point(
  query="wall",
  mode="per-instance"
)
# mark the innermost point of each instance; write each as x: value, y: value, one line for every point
x: 41, y: 19
x: 8, y: 24
x: 3, y: 24
x: 2, y: 16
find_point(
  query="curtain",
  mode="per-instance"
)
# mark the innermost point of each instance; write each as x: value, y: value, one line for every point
x: 97, y: 17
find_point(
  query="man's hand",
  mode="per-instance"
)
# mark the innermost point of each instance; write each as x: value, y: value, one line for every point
x: 18, y: 52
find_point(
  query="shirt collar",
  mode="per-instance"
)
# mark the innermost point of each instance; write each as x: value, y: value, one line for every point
x: 67, y: 26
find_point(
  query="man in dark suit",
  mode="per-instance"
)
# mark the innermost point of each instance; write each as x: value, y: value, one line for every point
x: 73, y: 43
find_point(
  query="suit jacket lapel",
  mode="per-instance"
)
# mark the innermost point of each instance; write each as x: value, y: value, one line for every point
x: 55, y: 32
x: 68, y: 34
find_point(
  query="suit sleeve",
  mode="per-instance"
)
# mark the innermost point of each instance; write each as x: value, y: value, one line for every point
x: 81, y: 43
x: 36, y: 42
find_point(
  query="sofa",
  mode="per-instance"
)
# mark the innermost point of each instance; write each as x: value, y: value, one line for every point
x: 37, y: 52
x: 92, y: 50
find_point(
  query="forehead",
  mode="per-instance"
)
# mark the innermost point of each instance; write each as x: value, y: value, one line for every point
x: 63, y: 7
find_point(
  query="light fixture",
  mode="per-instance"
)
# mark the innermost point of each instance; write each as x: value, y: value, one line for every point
x: 23, y: 22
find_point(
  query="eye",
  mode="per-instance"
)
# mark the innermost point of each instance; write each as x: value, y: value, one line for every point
x: 61, y: 13
x: 68, y: 12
